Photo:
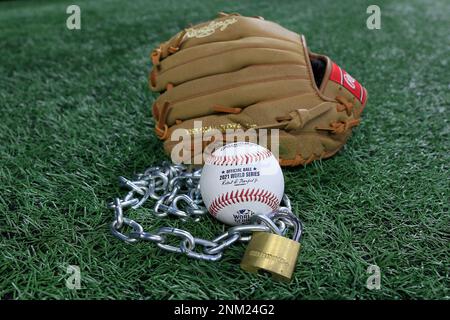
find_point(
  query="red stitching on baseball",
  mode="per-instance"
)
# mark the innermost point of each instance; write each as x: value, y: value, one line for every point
x: 258, y: 195
x: 239, y: 159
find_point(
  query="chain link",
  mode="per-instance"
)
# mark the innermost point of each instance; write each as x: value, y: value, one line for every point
x: 176, y: 192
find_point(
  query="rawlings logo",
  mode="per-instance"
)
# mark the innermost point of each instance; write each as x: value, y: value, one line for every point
x: 210, y: 28
x: 350, y: 80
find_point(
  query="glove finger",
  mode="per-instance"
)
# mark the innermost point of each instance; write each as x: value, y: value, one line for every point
x: 225, y: 29
x: 223, y: 57
x: 237, y: 90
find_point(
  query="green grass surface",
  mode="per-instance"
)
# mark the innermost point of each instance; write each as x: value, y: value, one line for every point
x: 75, y: 114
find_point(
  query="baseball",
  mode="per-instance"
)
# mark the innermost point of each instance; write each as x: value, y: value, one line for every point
x: 240, y: 179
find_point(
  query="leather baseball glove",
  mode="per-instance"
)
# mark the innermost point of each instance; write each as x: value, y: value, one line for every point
x: 237, y: 72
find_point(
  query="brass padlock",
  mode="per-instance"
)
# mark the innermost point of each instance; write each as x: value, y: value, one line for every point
x: 272, y: 252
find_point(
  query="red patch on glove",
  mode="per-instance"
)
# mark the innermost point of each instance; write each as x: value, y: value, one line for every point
x: 341, y: 77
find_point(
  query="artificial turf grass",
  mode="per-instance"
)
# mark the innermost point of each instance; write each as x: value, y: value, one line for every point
x: 75, y: 115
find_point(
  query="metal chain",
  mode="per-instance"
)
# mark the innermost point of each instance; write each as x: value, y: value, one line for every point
x: 176, y: 192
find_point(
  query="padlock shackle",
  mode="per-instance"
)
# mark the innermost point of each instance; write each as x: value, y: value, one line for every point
x: 267, y: 221
x: 283, y: 214
x: 288, y: 216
